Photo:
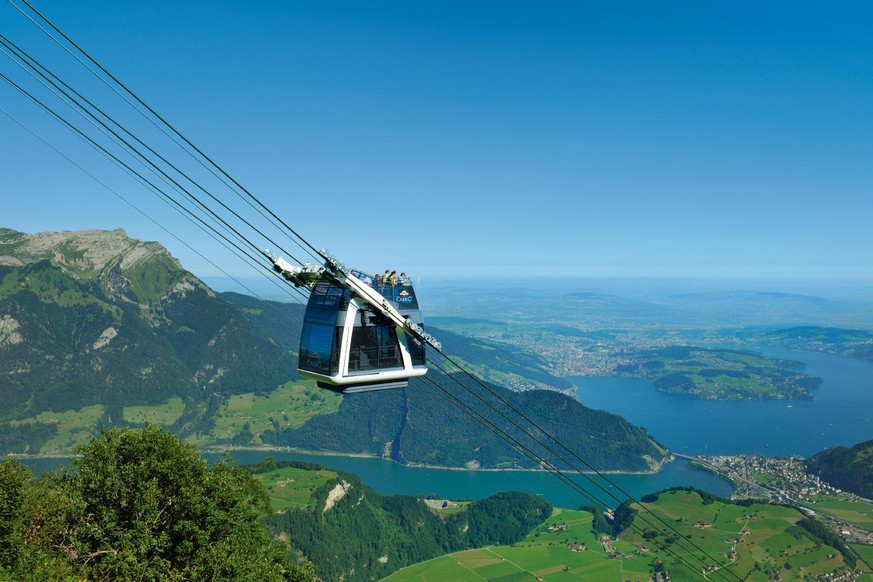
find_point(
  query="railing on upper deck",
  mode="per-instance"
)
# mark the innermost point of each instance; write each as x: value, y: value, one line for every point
x: 401, y: 295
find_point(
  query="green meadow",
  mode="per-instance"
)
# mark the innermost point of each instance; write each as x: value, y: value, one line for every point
x: 681, y: 532
x: 546, y: 553
x: 291, y: 487
x: 289, y: 406
x: 866, y: 555
x: 164, y: 414
x: 859, y: 513
x: 752, y: 542
x: 75, y: 427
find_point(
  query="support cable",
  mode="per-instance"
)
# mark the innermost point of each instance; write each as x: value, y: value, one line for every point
x: 312, y: 251
x: 45, y: 73
x: 137, y: 176
x: 143, y: 213
x: 590, y: 467
x: 525, y: 451
x: 138, y: 154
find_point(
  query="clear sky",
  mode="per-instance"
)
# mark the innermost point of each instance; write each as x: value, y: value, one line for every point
x: 490, y: 138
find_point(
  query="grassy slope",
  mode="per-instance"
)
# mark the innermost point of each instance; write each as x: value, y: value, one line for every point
x: 856, y: 512
x: 771, y: 542
x: 293, y: 487
x: 288, y: 406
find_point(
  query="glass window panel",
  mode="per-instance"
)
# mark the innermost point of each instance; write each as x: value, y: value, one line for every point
x: 416, y: 350
x: 323, y: 316
x: 318, y: 349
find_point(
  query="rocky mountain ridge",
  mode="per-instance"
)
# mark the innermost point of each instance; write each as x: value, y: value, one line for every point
x: 96, y: 316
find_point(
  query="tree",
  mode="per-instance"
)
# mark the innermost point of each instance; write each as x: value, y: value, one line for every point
x: 141, y: 504
x: 14, y: 481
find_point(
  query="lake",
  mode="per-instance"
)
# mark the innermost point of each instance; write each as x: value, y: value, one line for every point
x: 389, y: 478
x: 840, y: 412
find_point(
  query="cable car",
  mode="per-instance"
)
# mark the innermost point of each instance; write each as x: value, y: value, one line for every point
x: 359, y: 334
x: 349, y: 345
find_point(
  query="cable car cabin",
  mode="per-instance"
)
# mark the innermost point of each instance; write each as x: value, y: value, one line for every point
x: 349, y: 346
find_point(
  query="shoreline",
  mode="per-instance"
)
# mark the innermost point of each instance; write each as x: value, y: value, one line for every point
x: 657, y: 469
x: 292, y: 450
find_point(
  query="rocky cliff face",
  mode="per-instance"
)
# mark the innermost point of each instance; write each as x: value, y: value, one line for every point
x: 77, y: 252
x: 123, y: 269
x: 97, y: 317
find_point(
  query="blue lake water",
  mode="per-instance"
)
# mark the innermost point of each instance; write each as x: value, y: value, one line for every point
x: 389, y: 478
x: 841, y: 412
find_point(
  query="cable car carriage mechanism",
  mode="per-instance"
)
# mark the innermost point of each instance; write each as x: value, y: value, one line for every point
x: 359, y: 334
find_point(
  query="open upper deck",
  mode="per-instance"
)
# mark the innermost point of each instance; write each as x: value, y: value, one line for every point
x: 401, y: 295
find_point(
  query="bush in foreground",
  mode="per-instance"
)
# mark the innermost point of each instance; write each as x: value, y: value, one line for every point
x: 139, y: 504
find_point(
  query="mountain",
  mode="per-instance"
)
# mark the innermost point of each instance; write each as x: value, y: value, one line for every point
x: 548, y: 303
x: 504, y: 358
x: 99, y: 330
x: 422, y: 426
x: 99, y: 318
x: 850, y: 469
x: 742, y: 307
x: 629, y: 305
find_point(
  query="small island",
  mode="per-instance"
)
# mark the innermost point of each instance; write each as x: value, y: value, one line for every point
x: 720, y: 374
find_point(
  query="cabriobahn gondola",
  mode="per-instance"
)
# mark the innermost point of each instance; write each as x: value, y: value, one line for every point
x: 358, y: 336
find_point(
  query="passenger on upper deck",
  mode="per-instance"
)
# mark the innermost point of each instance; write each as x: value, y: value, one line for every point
x: 392, y: 278
x: 404, y: 280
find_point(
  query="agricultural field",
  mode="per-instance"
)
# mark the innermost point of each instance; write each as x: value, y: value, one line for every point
x: 754, y: 542
x: 292, y: 487
x: 866, y: 554
x: 545, y: 553
x: 164, y: 414
x: 289, y: 406
x: 75, y: 427
x: 766, y: 479
x: 859, y: 513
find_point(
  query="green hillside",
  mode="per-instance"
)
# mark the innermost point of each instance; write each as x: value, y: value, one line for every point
x: 755, y: 542
x: 720, y: 374
x: 96, y: 319
x: 419, y: 425
x: 100, y: 330
x: 350, y: 532
x: 849, y: 469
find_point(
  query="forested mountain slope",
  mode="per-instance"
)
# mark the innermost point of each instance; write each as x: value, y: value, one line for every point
x: 850, y: 469
x: 350, y: 532
x: 420, y: 425
x: 96, y: 317
x: 100, y: 330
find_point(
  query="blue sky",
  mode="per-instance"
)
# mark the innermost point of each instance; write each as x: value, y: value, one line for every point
x: 489, y: 139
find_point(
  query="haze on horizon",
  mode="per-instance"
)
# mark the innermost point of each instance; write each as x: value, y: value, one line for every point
x: 490, y: 141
